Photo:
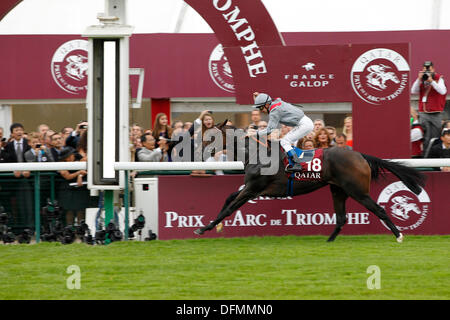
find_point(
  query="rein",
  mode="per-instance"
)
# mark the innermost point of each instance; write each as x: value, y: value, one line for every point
x: 261, y: 143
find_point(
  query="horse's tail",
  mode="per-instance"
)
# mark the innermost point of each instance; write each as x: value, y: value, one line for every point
x: 412, y: 178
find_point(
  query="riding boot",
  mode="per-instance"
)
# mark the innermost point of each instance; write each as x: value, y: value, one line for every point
x: 296, y: 167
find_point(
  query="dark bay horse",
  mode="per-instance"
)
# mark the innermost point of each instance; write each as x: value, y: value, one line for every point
x: 347, y: 172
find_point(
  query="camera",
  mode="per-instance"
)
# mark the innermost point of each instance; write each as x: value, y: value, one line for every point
x: 84, y: 126
x: 427, y: 73
x: 8, y: 236
x: 113, y: 233
x: 68, y: 235
x: 100, y: 236
x: 138, y: 225
x: 151, y: 236
x: 51, y: 210
x: 38, y: 145
x: 25, y: 236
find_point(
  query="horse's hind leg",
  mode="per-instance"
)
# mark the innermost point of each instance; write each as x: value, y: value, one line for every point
x: 233, y: 202
x: 371, y: 205
x: 339, y: 198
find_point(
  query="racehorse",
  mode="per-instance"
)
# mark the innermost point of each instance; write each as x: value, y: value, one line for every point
x: 347, y: 172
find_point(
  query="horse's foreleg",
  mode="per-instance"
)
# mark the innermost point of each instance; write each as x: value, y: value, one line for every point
x: 339, y: 198
x: 233, y: 202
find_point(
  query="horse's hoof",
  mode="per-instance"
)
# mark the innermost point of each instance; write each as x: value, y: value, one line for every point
x: 400, y: 238
x: 198, y: 232
x: 219, y: 227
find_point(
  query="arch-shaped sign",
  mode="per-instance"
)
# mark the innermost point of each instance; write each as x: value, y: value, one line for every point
x: 6, y: 6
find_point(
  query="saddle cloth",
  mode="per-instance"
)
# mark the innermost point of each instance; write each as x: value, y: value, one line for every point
x: 311, y: 161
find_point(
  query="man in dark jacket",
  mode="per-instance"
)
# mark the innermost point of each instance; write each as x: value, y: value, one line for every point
x: 442, y: 150
x: 14, y: 150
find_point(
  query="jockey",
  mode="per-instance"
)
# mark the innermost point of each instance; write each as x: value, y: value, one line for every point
x: 284, y: 113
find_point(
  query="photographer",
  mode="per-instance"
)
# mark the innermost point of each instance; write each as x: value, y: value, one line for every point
x: 73, y: 139
x: 432, y: 91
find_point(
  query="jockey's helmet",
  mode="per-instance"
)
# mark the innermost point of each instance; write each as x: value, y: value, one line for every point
x: 261, y: 100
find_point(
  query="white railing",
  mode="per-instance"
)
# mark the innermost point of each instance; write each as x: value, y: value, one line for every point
x: 173, y: 166
x: 164, y: 166
x: 226, y: 165
x: 423, y: 163
x: 42, y: 166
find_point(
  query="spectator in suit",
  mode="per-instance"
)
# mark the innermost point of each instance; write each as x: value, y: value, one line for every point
x: 37, y: 152
x: 442, y: 150
x: 149, y: 152
x: 58, y: 144
x: 48, y: 144
x: 15, y: 149
x: 21, y: 198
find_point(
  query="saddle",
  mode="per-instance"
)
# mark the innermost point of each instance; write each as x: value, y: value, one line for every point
x: 311, y: 165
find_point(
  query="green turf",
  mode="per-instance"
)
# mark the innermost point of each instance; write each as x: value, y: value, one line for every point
x: 240, y: 268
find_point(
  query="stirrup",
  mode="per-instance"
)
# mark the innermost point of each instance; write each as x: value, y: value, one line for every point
x: 296, y: 166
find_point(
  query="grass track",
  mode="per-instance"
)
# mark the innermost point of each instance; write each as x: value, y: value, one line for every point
x: 252, y: 268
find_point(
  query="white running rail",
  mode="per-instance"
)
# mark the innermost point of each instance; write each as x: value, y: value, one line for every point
x: 169, y: 166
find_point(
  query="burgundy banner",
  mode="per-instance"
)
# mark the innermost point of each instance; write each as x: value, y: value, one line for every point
x: 239, y: 22
x: 294, y: 73
x: 187, y: 203
x: 381, y: 100
x: 186, y: 65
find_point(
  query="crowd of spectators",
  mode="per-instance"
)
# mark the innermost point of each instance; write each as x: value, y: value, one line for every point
x: 48, y: 145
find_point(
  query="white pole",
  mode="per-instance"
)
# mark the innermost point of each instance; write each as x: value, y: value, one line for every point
x: 231, y: 165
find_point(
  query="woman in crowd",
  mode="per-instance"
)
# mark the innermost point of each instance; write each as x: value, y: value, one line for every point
x: 322, y: 139
x: 308, y: 144
x: 348, y: 130
x: 205, y: 121
x: 73, y: 196
x: 82, y: 147
x: 161, y: 128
